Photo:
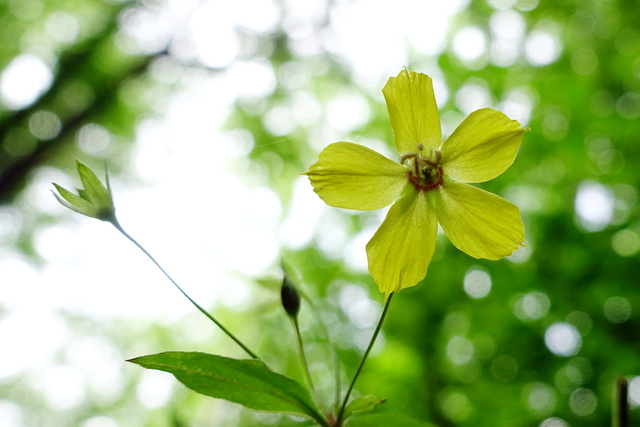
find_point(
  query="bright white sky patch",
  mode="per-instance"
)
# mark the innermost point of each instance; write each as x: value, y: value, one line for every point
x: 155, y: 389
x: 469, y: 44
x: 214, y: 42
x: 348, y: 112
x: 24, y: 80
x: 64, y: 397
x: 377, y: 46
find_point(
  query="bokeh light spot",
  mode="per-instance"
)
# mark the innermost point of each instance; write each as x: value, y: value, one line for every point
x: 63, y: 27
x: 470, y: 44
x: 359, y: 308
x: 584, y: 61
x: 594, y: 206
x: 477, y: 283
x: 531, y: 306
x: 94, y: 139
x: 502, y: 4
x: 583, y: 402
x: 455, y: 405
x: 628, y: 105
x: 542, y: 48
x: 626, y: 242
x: 24, y: 80
x: 617, y: 309
x: 279, y: 121
x: 44, y: 125
x: 563, y: 339
x: 518, y: 104
x: 26, y: 10
x: 473, y: 96
x: 540, y: 397
x: 508, y: 30
x: 576, y: 372
x: 527, y: 5
x: 99, y: 421
x: 554, y: 422
x: 460, y: 350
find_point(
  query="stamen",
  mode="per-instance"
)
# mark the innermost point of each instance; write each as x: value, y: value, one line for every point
x: 425, y: 173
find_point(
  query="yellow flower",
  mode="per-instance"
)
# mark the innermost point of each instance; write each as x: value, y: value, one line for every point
x: 429, y: 184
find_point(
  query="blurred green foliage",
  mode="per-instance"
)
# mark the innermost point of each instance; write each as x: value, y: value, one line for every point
x: 446, y: 356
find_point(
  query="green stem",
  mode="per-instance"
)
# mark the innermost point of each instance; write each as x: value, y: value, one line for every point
x: 305, y: 365
x: 117, y: 225
x: 364, y: 358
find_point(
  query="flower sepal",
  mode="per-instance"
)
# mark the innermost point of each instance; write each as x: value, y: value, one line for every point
x: 93, y: 200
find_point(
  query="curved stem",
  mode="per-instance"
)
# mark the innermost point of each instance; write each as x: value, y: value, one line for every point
x: 364, y: 358
x: 117, y: 225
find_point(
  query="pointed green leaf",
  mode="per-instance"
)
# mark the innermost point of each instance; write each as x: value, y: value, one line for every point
x: 248, y: 382
x: 75, y: 202
x: 362, y: 404
x: 386, y: 419
x: 95, y: 190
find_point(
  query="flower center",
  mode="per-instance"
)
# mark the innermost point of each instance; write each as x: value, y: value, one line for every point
x: 425, y: 172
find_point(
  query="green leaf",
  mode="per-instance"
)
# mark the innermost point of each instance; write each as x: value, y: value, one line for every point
x: 386, y: 419
x: 248, y: 382
x: 362, y: 404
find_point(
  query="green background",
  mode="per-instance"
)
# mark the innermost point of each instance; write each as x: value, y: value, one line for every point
x: 445, y: 356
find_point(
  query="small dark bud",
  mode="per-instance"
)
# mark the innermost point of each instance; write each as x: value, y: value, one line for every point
x: 290, y: 298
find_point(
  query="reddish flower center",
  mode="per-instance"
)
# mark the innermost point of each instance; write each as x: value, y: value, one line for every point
x: 425, y: 172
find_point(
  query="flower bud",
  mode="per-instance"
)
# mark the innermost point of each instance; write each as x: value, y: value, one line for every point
x: 290, y: 298
x: 94, y: 200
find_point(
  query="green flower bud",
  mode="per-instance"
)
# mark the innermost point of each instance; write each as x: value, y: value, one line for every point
x: 94, y: 200
x: 290, y: 298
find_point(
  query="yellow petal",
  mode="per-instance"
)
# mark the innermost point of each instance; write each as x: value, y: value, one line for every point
x: 413, y: 112
x: 352, y: 176
x: 482, y: 147
x: 477, y: 222
x: 401, y: 250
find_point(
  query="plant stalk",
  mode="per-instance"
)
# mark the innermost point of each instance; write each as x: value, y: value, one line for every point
x: 364, y: 358
x: 305, y: 364
x: 117, y: 225
x: 620, y: 402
